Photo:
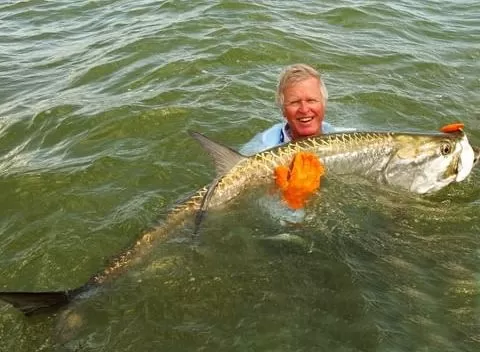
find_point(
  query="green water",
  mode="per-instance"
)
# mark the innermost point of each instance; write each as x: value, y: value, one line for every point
x: 96, y: 98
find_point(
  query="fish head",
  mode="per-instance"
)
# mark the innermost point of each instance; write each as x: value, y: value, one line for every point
x: 425, y: 163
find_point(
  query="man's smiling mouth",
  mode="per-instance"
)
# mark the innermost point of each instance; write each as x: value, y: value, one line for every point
x: 305, y: 119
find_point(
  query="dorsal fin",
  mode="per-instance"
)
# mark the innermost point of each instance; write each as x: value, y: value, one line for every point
x: 224, y: 157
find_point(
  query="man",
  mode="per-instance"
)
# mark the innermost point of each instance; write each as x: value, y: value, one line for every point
x: 302, y: 98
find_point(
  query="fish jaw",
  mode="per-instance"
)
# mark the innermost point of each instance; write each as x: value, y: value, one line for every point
x: 467, y: 160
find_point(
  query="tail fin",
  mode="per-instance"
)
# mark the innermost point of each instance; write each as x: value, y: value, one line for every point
x: 31, y: 303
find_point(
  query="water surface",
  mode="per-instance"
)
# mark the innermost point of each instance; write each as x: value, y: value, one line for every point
x: 95, y: 103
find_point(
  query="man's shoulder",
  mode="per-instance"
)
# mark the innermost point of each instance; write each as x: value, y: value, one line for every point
x: 266, y: 139
x: 272, y: 135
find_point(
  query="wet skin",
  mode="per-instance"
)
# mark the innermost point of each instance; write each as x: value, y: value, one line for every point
x: 304, y: 108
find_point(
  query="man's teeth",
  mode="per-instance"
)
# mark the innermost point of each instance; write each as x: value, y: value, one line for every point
x: 305, y: 119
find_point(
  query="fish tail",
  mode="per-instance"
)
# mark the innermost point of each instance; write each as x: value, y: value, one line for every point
x: 31, y: 303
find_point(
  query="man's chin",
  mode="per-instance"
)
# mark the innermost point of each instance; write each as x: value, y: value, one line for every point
x: 308, y: 132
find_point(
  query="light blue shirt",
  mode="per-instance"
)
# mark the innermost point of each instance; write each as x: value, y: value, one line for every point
x: 277, y: 135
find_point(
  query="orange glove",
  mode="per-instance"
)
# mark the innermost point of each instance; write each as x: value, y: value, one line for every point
x: 299, y: 181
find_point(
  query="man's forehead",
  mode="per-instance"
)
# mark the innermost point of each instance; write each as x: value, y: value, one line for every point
x: 297, y: 89
x: 296, y: 80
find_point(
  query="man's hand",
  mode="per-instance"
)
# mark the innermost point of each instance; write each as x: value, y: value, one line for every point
x: 301, y: 180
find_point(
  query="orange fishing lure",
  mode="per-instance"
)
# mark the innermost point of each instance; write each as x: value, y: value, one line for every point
x: 300, y: 180
x: 452, y: 127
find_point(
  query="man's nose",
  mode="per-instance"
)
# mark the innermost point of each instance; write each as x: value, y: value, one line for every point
x: 303, y: 106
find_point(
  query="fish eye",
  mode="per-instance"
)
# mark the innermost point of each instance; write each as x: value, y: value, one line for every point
x: 446, y: 148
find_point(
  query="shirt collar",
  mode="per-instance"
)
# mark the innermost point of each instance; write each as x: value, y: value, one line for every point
x: 285, y: 134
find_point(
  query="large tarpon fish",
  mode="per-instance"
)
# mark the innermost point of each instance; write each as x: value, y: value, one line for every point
x: 417, y: 162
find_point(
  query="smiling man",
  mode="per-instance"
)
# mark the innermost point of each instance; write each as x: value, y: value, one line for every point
x: 302, y: 98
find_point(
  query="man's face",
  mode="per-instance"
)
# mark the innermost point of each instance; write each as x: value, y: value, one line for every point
x: 304, y: 108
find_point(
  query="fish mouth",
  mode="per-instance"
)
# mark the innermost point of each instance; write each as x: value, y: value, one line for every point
x: 468, y: 156
x: 476, y: 155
